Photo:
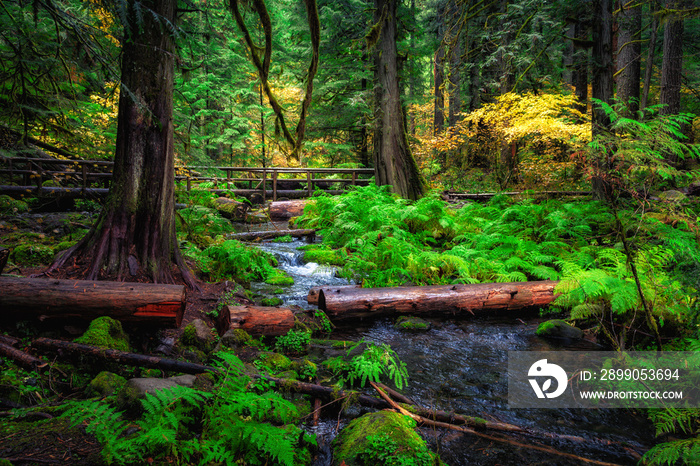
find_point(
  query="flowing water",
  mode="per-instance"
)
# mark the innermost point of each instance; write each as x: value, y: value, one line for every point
x: 460, y: 366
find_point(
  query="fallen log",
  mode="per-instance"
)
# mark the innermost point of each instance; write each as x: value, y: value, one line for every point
x: 280, y: 210
x: 256, y: 320
x: 20, y: 357
x: 262, y: 235
x: 351, y: 303
x: 123, y: 357
x: 312, y: 297
x: 48, y: 298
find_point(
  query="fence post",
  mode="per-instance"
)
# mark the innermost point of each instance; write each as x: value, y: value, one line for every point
x: 309, y: 183
x: 262, y: 184
x: 274, y: 185
x: 84, y: 170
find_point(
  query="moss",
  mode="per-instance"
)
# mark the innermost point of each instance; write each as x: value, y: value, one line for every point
x: 236, y: 337
x: 271, y: 301
x: 105, y: 332
x: 279, y: 278
x: 32, y: 254
x: 412, y: 324
x: 557, y: 328
x: 383, y: 437
x: 12, y: 206
x: 62, y: 246
x: 105, y: 384
x: 276, y: 361
x: 323, y: 255
x: 189, y: 336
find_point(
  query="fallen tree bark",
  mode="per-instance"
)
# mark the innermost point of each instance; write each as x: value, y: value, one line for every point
x: 287, y: 209
x: 261, y: 235
x: 256, y: 320
x: 20, y: 357
x: 351, y: 302
x: 132, y: 359
x: 312, y: 297
x: 143, y: 302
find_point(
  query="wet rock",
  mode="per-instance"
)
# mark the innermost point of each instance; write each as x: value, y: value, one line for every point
x: 234, y: 338
x: 558, y: 328
x: 137, y: 388
x: 367, y: 437
x: 672, y: 195
x: 232, y: 210
x: 199, y: 335
x: 412, y: 324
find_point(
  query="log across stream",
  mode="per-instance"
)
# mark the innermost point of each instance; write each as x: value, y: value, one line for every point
x: 460, y: 365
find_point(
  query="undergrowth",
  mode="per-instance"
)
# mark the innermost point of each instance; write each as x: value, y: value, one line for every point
x: 236, y: 423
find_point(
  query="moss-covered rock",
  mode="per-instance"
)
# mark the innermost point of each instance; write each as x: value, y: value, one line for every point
x: 323, y: 255
x: 105, y: 384
x: 105, y: 332
x: 9, y: 206
x: 32, y: 254
x: 235, y: 338
x: 557, y: 328
x: 383, y: 437
x: 412, y: 324
x: 230, y: 209
x: 276, y: 362
x: 279, y: 278
x: 199, y: 335
x: 271, y: 302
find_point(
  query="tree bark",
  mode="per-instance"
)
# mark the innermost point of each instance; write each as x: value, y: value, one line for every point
x: 580, y: 72
x: 649, y: 68
x: 256, y: 320
x: 438, y: 90
x: 123, y: 357
x: 137, y: 224
x: 50, y: 298
x: 312, y: 297
x: 394, y: 164
x: 262, y: 235
x: 352, y: 303
x: 20, y: 357
x: 287, y: 209
x: 602, y: 62
x: 672, y: 65
x: 629, y: 53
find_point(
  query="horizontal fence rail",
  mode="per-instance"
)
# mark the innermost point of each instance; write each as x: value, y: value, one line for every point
x: 75, y: 178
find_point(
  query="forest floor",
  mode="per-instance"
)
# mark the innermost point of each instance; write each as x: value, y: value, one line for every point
x: 22, y: 441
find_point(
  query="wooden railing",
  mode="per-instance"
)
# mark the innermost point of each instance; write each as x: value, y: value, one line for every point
x: 79, y: 176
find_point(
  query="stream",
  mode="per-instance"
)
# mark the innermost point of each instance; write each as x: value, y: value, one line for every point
x: 460, y: 365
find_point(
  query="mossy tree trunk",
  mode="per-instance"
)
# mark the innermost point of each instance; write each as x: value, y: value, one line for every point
x: 135, y: 232
x: 393, y: 162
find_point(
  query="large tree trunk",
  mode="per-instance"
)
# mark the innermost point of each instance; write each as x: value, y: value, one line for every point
x: 394, y: 164
x: 602, y: 62
x: 352, y: 303
x: 629, y: 53
x: 142, y: 302
x: 649, y: 67
x: 135, y: 233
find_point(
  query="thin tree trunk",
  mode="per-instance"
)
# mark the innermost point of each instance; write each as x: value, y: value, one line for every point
x: 672, y: 66
x: 580, y: 73
x: 438, y: 90
x: 649, y: 69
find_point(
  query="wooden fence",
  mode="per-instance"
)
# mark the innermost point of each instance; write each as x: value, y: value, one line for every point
x: 76, y: 178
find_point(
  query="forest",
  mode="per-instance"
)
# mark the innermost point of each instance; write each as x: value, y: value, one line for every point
x: 316, y: 232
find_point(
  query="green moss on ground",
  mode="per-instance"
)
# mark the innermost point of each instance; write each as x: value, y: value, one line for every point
x: 27, y: 254
x: 105, y: 384
x: 105, y: 332
x: 412, y: 324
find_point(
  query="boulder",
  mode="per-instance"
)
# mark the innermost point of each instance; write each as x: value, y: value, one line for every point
x: 367, y: 438
x: 230, y: 209
x: 558, y: 328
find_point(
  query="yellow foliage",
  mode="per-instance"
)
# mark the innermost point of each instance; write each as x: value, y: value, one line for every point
x: 542, y: 118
